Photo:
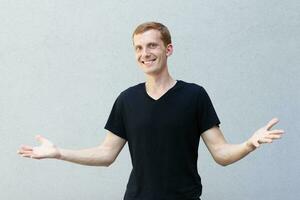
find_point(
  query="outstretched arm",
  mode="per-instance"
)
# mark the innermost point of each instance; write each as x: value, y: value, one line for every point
x: 102, y: 155
x: 225, y: 153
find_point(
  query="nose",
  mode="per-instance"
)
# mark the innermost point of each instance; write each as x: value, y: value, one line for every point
x: 145, y: 52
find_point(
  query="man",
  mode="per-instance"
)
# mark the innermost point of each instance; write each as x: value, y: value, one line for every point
x: 162, y: 120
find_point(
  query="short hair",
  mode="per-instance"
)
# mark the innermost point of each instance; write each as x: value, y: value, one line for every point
x: 164, y: 32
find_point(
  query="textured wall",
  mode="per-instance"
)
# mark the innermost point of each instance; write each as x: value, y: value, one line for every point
x: 63, y: 63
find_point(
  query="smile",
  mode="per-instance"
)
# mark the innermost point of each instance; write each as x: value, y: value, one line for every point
x: 148, y: 62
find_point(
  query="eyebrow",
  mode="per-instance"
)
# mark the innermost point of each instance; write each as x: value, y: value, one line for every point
x: 148, y: 44
x: 152, y: 43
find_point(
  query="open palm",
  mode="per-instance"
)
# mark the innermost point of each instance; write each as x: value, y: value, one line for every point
x: 265, y: 134
x: 46, y: 150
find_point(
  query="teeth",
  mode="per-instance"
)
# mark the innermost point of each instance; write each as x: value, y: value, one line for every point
x: 148, y: 62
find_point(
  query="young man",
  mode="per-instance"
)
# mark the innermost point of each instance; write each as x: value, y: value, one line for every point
x: 162, y: 120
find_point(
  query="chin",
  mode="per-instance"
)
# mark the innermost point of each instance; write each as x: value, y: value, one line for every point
x: 151, y: 71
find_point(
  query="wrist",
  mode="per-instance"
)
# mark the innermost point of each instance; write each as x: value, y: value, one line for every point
x: 249, y: 146
x: 59, y: 154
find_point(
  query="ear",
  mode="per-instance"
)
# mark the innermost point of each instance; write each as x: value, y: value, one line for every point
x: 169, y: 50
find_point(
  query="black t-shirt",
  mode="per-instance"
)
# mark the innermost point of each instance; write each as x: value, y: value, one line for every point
x: 163, y: 138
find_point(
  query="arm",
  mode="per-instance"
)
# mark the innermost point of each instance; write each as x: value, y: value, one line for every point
x: 102, y: 155
x: 225, y: 153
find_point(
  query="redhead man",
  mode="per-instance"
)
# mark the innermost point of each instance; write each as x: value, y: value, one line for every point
x: 162, y: 119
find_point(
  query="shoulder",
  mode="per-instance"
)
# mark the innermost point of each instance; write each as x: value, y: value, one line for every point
x: 193, y: 87
x: 197, y: 91
x: 131, y: 91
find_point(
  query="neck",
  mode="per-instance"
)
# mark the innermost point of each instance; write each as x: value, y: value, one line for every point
x: 159, y: 82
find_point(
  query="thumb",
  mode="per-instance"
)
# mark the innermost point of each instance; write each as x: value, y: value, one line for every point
x: 271, y: 123
x: 40, y: 139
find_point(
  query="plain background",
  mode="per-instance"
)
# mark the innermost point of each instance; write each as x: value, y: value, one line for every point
x: 63, y: 63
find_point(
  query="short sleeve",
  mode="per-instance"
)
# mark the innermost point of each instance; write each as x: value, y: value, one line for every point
x: 115, y: 122
x: 207, y: 116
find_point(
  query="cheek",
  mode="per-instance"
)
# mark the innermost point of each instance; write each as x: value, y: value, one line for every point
x: 137, y: 56
x: 162, y: 55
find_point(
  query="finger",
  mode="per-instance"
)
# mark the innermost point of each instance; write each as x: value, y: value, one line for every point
x: 24, y: 152
x: 266, y: 140
x: 30, y: 155
x: 25, y: 147
x: 26, y: 155
x: 40, y: 139
x: 276, y: 132
x: 271, y: 123
x: 35, y: 156
x: 43, y: 140
x: 273, y: 136
x: 19, y: 151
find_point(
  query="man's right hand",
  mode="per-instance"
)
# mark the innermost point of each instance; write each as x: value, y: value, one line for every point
x: 46, y: 150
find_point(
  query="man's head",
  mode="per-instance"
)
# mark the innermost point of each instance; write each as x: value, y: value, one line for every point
x: 152, y: 44
x: 165, y: 34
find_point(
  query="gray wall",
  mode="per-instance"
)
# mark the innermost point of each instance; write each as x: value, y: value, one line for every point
x: 63, y: 63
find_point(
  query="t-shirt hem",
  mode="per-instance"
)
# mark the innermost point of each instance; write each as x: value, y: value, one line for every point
x: 115, y: 132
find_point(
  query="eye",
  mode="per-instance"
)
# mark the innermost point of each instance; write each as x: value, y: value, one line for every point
x: 138, y: 48
x: 152, y: 45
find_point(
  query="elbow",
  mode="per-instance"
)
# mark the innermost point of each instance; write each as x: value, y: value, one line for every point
x: 222, y: 160
x: 108, y: 163
x: 105, y: 162
x: 105, y: 165
x: 105, y: 157
x: 223, y: 163
x: 109, y: 160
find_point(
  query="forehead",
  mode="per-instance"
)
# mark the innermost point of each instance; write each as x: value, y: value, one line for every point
x: 147, y: 37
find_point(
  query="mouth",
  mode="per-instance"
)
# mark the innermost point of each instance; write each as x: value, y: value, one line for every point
x: 148, y: 62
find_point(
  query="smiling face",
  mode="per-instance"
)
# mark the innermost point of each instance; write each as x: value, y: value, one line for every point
x: 150, y: 51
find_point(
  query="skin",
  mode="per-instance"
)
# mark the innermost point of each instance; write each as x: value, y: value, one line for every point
x: 151, y: 55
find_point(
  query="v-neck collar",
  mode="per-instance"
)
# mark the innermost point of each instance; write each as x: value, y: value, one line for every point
x: 162, y: 96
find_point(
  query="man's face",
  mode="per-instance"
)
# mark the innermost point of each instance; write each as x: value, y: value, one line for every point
x: 150, y: 51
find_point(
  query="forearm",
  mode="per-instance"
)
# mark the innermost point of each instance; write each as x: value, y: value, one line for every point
x: 230, y: 153
x: 97, y: 156
x: 225, y: 154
